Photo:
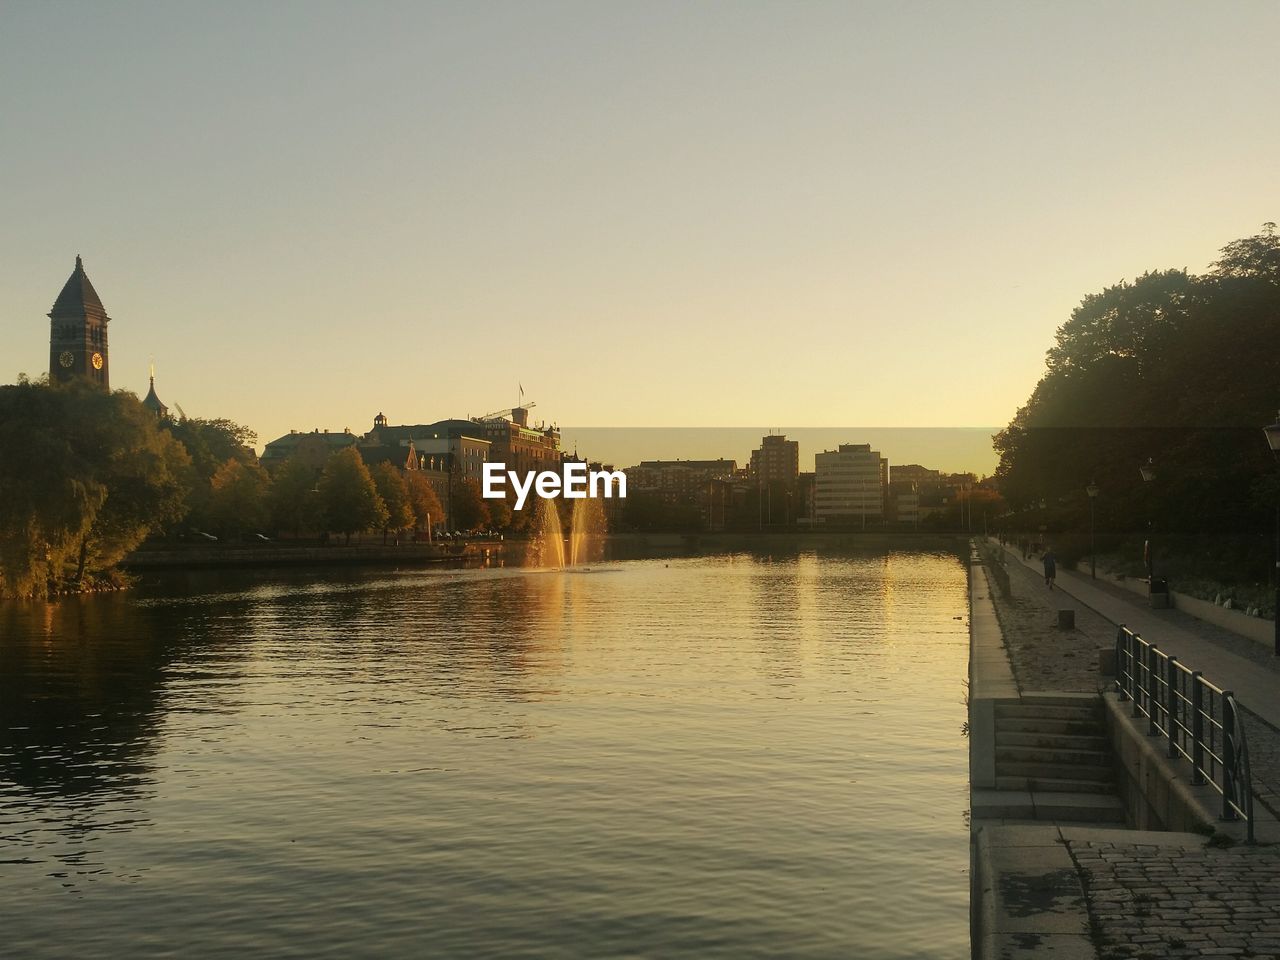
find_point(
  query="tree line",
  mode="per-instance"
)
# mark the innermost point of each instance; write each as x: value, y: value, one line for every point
x: 87, y: 476
x: 1177, y: 372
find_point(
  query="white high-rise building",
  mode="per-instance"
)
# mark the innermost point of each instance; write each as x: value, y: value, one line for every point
x: 850, y: 483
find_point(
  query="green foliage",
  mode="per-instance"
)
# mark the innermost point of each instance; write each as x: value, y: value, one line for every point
x: 1178, y: 368
x: 427, y: 510
x: 85, y: 476
x: 394, y: 492
x: 499, y: 513
x: 210, y: 444
x: 293, y: 502
x: 238, y: 498
x: 470, y: 510
x: 349, y: 501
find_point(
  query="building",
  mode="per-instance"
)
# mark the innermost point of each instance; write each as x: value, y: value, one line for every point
x: 678, y: 479
x: 153, y: 402
x: 777, y: 460
x: 850, y: 483
x: 915, y: 473
x: 314, y: 448
x: 453, y: 446
x: 521, y: 448
x: 78, y: 333
x: 903, y: 503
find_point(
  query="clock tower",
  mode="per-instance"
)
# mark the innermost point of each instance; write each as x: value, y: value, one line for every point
x: 78, y: 333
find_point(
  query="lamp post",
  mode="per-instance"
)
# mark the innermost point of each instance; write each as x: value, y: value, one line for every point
x: 1273, y: 441
x: 1092, y: 491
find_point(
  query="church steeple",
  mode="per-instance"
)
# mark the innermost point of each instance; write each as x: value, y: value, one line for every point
x: 153, y: 402
x: 78, y: 332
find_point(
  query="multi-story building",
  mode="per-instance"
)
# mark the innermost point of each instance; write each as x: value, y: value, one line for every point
x: 678, y: 479
x: 776, y: 460
x: 903, y: 502
x: 313, y: 449
x: 915, y: 473
x: 520, y: 447
x: 850, y: 483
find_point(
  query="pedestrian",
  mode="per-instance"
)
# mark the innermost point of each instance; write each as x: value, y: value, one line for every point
x: 1050, y: 567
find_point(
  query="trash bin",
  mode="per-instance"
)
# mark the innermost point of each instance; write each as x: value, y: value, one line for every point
x: 1159, y: 593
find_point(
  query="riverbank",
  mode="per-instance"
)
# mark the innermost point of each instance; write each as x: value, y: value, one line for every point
x: 280, y: 555
x: 1110, y: 892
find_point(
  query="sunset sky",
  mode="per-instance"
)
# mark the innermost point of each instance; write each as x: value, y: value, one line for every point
x: 648, y: 214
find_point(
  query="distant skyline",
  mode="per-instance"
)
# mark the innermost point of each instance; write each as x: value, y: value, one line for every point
x: 658, y: 214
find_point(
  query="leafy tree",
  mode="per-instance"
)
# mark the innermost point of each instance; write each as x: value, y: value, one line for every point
x: 293, y: 500
x: 210, y: 444
x: 394, y: 492
x: 1174, y: 367
x: 500, y: 513
x: 1256, y: 256
x: 85, y: 476
x: 238, y: 500
x: 427, y: 510
x: 470, y: 510
x: 349, y: 501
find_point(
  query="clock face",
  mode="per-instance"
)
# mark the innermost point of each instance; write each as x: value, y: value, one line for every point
x: 66, y: 358
x: 97, y: 361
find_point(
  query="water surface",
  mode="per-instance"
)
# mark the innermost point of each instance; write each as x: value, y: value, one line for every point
x: 736, y: 756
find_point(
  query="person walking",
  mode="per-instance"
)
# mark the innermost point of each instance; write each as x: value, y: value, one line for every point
x: 1050, y: 567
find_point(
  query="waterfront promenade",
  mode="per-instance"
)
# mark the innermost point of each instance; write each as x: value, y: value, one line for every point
x: 1247, y: 668
x: 1141, y: 895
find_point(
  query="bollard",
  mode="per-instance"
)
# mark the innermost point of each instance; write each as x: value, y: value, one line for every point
x: 1066, y: 619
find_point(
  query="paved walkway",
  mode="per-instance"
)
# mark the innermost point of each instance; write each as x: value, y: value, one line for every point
x: 1172, y: 895
x: 1258, y: 689
x: 1233, y: 663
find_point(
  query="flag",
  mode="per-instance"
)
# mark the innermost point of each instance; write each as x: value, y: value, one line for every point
x: 521, y: 386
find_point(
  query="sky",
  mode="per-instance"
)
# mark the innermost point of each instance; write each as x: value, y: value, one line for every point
x: 651, y: 214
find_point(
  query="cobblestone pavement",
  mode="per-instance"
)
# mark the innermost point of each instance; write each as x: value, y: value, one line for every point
x: 1150, y: 901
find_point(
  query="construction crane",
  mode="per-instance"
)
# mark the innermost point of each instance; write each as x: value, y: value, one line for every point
x: 506, y: 411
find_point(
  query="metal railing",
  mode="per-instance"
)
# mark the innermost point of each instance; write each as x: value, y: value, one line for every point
x: 1199, y: 720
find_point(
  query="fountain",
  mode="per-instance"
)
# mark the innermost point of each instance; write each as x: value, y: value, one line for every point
x: 550, y: 546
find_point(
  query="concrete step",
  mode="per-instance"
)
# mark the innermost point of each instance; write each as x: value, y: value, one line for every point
x: 1084, y: 728
x: 1055, y: 771
x: 1023, y: 710
x: 1056, y: 784
x: 1018, y: 754
x: 1046, y: 805
x: 1077, y: 807
x: 1001, y: 805
x: 1062, y: 700
x: 1052, y: 741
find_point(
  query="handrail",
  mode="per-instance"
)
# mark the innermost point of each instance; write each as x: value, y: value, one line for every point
x: 1201, y: 721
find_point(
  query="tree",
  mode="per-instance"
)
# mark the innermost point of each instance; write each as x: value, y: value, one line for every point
x: 349, y: 501
x: 85, y: 476
x: 210, y: 444
x: 423, y: 500
x: 1256, y: 256
x: 499, y: 513
x: 1175, y: 367
x: 293, y: 500
x: 469, y: 508
x: 238, y: 500
x: 394, y: 492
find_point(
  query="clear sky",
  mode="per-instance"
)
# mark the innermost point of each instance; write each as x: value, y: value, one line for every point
x: 684, y: 214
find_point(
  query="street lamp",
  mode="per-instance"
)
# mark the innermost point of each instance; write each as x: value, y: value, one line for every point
x: 1273, y: 441
x: 1092, y: 491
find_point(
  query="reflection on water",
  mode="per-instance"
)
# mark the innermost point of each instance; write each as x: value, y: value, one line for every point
x: 720, y: 757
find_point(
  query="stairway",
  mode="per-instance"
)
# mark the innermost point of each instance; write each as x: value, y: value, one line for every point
x: 1053, y: 761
